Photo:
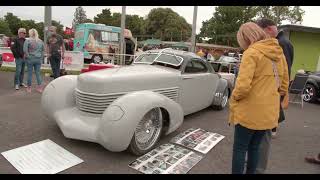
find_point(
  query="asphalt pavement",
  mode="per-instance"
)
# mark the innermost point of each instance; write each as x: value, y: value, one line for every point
x: 23, y: 123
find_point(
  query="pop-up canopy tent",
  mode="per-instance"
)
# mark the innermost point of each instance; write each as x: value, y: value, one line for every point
x: 181, y: 45
x: 152, y: 42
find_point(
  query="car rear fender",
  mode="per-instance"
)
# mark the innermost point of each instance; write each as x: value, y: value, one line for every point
x: 120, y: 119
x: 218, y: 95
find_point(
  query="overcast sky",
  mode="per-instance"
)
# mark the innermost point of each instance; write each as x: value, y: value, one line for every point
x: 64, y: 14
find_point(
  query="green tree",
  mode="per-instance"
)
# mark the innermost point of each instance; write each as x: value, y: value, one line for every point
x: 79, y: 16
x: 29, y: 24
x: 226, y: 20
x: 225, y: 33
x: 40, y: 28
x: 166, y: 24
x: 278, y: 14
x: 4, y: 28
x: 135, y: 23
x: 105, y: 17
x: 14, y: 23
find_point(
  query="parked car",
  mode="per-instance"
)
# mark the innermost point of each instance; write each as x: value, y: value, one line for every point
x: 3, y: 41
x: 311, y: 92
x: 130, y: 107
x: 226, y: 69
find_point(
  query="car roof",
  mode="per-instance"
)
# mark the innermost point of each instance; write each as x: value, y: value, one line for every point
x: 183, y: 54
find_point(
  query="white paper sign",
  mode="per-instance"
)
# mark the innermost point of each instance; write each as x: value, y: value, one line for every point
x: 73, y: 60
x: 44, y: 157
x: 198, y: 139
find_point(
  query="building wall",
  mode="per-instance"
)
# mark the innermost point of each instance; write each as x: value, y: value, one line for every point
x: 306, y: 50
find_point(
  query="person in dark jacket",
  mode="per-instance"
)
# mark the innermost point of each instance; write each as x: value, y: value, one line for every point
x: 271, y: 29
x: 17, y: 50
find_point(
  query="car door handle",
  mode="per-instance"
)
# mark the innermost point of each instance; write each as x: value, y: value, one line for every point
x: 187, y: 77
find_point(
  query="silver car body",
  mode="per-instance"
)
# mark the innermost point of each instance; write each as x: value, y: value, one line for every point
x: 105, y: 106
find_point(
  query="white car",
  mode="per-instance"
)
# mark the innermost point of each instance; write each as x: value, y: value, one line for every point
x: 130, y: 107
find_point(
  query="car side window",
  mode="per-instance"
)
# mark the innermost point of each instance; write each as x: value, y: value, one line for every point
x: 196, y: 66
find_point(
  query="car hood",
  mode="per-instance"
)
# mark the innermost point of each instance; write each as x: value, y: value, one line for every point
x: 127, y: 79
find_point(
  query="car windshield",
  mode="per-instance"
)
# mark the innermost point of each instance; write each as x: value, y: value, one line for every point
x: 156, y: 58
x: 169, y: 59
x: 146, y: 58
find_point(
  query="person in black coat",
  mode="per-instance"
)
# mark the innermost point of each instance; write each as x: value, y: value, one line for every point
x: 17, y: 50
x: 271, y: 29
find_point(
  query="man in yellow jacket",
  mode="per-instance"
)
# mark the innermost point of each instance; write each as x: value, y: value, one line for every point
x: 254, y: 104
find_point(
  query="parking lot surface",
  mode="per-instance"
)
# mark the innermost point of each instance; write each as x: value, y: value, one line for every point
x: 23, y: 123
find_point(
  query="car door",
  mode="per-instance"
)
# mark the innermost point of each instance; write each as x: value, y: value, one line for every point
x: 197, y: 86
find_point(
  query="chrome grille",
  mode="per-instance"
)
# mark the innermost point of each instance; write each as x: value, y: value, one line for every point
x: 97, y: 103
x: 172, y: 93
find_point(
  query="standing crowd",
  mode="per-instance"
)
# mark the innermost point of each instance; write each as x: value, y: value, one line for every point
x: 31, y: 52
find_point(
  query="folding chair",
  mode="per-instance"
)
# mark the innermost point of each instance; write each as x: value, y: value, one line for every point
x: 297, y: 87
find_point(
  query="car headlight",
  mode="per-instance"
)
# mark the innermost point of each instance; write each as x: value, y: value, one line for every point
x: 115, y: 113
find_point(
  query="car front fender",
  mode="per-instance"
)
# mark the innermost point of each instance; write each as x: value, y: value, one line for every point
x: 58, y: 95
x: 121, y: 118
x: 218, y: 95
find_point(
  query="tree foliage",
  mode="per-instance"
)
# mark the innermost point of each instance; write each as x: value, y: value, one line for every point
x: 14, y: 22
x: 4, y: 28
x: 226, y: 20
x: 166, y: 24
x: 105, y: 17
x: 133, y: 22
x: 79, y: 16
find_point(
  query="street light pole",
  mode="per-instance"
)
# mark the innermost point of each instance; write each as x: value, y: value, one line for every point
x: 193, y: 36
x: 47, y: 21
x: 122, y: 41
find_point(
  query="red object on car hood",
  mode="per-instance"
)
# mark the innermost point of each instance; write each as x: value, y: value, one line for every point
x: 94, y: 67
x: 7, y: 57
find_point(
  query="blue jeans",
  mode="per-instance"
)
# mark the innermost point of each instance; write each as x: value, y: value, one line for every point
x: 55, y: 66
x: 34, y: 63
x: 18, y: 78
x: 246, y: 141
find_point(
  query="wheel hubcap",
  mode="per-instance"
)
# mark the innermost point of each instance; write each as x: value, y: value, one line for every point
x: 97, y: 59
x: 308, y: 94
x: 224, y: 99
x: 149, y: 129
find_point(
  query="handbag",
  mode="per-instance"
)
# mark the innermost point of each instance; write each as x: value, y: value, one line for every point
x: 285, y: 101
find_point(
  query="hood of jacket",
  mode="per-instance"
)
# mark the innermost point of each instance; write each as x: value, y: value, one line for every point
x: 270, y: 48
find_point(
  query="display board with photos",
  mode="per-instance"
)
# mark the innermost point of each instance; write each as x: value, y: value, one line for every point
x: 198, y: 139
x: 166, y: 159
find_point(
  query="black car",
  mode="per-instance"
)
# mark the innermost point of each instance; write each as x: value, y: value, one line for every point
x: 312, y: 89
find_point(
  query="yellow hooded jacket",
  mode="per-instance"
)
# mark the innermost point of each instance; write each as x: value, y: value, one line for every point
x: 255, y: 100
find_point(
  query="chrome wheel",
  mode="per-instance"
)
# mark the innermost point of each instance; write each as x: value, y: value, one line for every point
x: 308, y: 93
x: 97, y: 59
x: 225, y: 99
x: 148, y: 130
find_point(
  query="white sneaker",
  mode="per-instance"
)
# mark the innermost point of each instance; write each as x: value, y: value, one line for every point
x: 24, y: 85
x: 17, y: 87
